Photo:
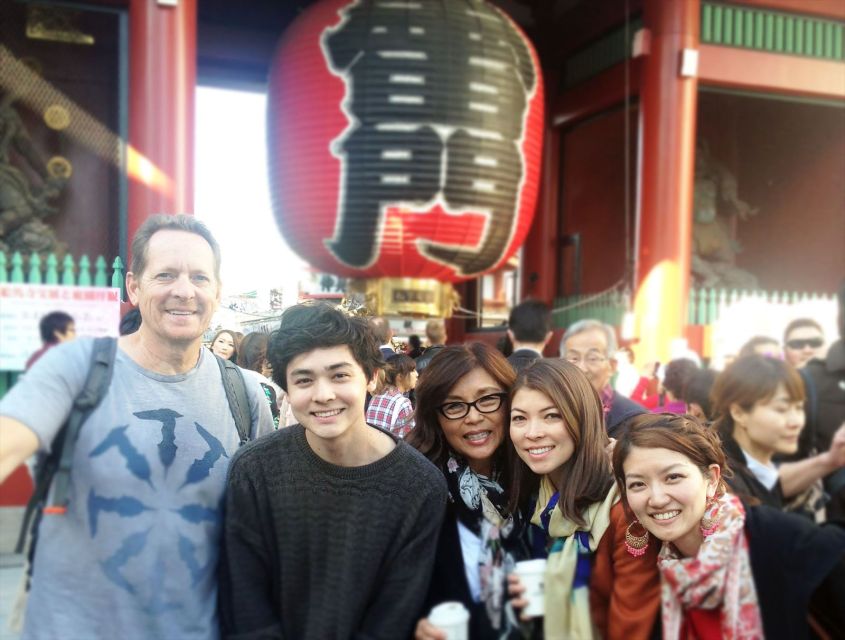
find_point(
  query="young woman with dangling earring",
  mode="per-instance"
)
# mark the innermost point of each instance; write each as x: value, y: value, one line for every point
x: 601, y: 576
x: 727, y: 570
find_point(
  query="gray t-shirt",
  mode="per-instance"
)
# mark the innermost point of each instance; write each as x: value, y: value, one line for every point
x: 135, y: 555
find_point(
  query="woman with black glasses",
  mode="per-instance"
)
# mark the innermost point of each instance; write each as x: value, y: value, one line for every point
x: 461, y: 426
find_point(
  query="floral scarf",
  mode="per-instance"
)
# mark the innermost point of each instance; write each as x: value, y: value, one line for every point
x: 481, y: 506
x: 719, y: 576
x: 567, y: 585
x: 606, y: 397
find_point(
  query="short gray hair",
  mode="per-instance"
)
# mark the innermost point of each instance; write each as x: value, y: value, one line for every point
x: 588, y: 325
x: 161, y: 222
x: 435, y: 331
x: 381, y: 329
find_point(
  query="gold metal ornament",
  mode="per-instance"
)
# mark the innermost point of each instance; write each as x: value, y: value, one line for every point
x: 57, y: 117
x: 402, y: 297
x: 59, y: 167
x: 56, y: 24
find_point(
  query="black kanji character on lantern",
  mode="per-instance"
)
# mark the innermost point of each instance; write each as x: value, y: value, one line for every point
x: 437, y: 94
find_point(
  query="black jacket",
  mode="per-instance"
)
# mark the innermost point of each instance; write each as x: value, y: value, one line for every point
x: 428, y: 354
x: 743, y: 482
x: 521, y: 358
x: 449, y: 581
x: 797, y: 566
x: 825, y: 407
x: 622, y: 409
x: 824, y: 381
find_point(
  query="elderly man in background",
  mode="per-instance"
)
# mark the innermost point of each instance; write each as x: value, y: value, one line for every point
x: 591, y: 346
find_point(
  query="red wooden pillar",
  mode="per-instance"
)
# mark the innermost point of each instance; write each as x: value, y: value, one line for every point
x: 667, y: 131
x: 162, y: 82
x: 539, y: 273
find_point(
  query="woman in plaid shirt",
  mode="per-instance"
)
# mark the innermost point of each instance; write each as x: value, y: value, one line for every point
x: 391, y: 409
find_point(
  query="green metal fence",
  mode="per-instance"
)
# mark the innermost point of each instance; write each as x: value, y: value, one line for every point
x: 723, y: 24
x: 705, y: 305
x: 608, y: 307
x: 49, y: 269
x: 33, y: 269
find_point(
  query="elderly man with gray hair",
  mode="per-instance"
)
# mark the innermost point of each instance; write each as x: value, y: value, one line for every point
x: 591, y: 346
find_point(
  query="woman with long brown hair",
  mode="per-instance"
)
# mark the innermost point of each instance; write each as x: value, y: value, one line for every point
x: 461, y: 420
x: 596, y: 583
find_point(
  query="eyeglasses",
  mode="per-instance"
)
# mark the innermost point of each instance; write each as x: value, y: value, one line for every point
x: 591, y: 359
x: 801, y: 343
x: 485, y: 404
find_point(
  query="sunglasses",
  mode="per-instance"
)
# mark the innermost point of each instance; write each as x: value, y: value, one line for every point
x: 796, y: 344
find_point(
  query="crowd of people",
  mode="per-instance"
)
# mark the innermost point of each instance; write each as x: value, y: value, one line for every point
x: 370, y: 486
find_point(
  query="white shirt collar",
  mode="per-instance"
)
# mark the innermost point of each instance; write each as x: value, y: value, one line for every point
x: 767, y: 474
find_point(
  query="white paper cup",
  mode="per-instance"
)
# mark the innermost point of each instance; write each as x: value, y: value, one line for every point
x: 453, y: 618
x: 532, y: 574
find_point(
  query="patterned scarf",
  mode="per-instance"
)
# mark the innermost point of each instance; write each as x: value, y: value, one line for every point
x: 567, y: 585
x: 606, y: 397
x: 481, y: 506
x: 719, y: 576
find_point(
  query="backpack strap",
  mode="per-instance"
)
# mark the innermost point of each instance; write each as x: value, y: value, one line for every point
x: 233, y: 383
x: 54, y: 471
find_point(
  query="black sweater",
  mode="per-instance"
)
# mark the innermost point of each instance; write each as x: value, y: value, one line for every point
x: 313, y: 550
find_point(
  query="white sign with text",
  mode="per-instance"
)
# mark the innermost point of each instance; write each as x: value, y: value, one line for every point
x: 95, y: 310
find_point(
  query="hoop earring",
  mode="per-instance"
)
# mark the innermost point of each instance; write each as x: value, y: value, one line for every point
x: 709, y: 524
x: 636, y: 545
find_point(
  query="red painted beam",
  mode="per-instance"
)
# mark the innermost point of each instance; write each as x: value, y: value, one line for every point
x: 597, y: 94
x: 760, y: 71
x: 823, y: 8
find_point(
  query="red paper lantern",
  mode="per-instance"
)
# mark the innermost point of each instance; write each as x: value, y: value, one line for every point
x: 405, y: 137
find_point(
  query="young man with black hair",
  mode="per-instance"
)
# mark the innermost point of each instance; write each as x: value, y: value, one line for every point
x: 331, y: 524
x: 530, y: 329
